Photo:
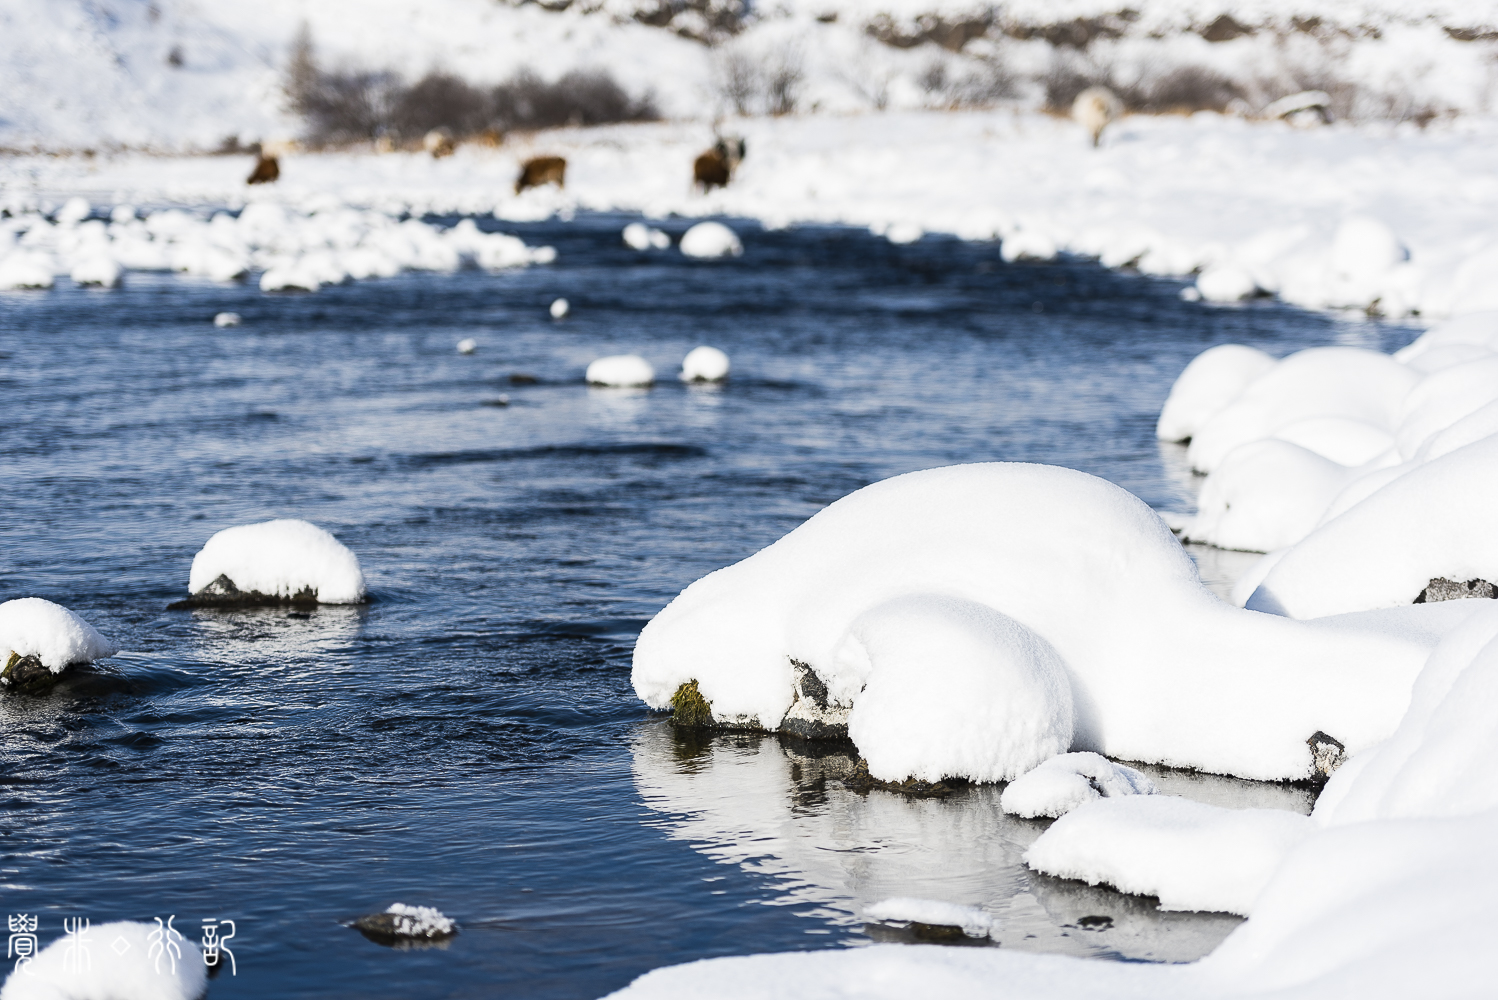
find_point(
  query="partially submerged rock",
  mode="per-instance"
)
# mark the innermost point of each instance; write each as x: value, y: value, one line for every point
x: 813, y: 715
x: 862, y: 782
x: 39, y: 640
x: 26, y: 675
x: 222, y: 593
x: 401, y: 923
x: 933, y: 920
x: 1442, y: 589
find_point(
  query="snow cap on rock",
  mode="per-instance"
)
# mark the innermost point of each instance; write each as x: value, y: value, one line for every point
x: 31, y: 626
x: 621, y: 370
x: 1066, y: 781
x: 704, y: 364
x: 280, y: 558
x: 906, y: 909
x: 560, y: 308
x: 711, y: 239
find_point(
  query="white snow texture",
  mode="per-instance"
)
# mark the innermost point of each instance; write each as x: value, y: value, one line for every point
x: 420, y: 921
x: 130, y: 973
x: 280, y: 558
x: 31, y: 626
x: 1068, y: 780
x: 904, y: 909
x: 621, y: 371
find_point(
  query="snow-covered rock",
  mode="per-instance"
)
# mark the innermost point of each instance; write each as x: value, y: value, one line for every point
x: 953, y: 688
x: 276, y: 561
x: 559, y: 308
x: 935, y: 913
x: 638, y: 236
x: 1060, y: 784
x: 404, y: 921
x: 226, y: 319
x: 1148, y: 651
x: 141, y: 967
x: 25, y: 270
x: 467, y: 345
x: 621, y: 370
x: 1226, y: 283
x: 711, y: 239
x: 31, y: 626
x: 1212, y: 380
x: 98, y: 270
x: 1193, y: 856
x: 704, y: 364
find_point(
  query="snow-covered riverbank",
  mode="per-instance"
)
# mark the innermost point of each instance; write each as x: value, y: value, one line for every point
x: 1323, y: 217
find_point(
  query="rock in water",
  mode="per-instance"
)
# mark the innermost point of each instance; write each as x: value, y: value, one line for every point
x: 812, y: 716
x: 401, y: 923
x: 1442, y: 589
x: 222, y: 593
x: 26, y: 675
x: 1327, y: 754
x: 273, y: 563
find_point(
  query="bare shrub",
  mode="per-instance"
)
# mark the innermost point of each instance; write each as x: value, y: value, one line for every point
x: 771, y: 85
x: 783, y: 79
x: 1185, y: 88
x: 738, y: 82
x: 581, y: 97
x: 439, y: 101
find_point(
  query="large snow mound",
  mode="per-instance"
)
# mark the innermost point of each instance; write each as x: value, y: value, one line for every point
x: 143, y: 968
x: 1150, y: 654
x: 31, y: 626
x: 282, y: 558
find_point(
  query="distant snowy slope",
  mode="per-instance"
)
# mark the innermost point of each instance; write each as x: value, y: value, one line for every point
x: 186, y: 74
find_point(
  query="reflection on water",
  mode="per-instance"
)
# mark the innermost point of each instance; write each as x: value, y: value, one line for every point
x: 778, y: 808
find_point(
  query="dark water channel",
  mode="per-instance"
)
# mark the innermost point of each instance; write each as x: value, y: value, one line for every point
x: 469, y: 740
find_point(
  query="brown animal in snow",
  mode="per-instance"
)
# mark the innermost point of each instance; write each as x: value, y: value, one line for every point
x: 267, y: 170
x: 716, y: 167
x: 541, y: 170
x: 439, y: 142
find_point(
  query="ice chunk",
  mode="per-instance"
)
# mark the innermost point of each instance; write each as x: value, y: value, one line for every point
x: 1066, y: 781
x: 1191, y: 855
x: 123, y: 961
x: 560, y: 308
x: 953, y: 688
x: 904, y: 909
x: 711, y: 239
x: 1212, y: 380
x: 31, y: 626
x: 704, y: 364
x: 285, y: 559
x: 621, y: 370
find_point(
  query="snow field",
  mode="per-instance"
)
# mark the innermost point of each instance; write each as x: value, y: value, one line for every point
x: 31, y: 626
x: 55, y: 973
x: 295, y: 250
x: 281, y: 558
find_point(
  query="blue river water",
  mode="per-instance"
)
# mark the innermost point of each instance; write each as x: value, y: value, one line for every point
x: 469, y: 740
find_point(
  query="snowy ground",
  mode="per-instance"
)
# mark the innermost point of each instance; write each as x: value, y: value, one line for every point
x: 1258, y: 203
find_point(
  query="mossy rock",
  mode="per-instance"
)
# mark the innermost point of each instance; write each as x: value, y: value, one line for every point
x: 27, y: 675
x: 689, y: 709
x: 222, y: 593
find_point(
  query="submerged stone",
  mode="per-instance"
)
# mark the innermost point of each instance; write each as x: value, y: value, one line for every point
x: 689, y: 709
x: 862, y: 782
x: 27, y: 675
x: 222, y: 593
x: 1442, y: 589
x: 403, y: 925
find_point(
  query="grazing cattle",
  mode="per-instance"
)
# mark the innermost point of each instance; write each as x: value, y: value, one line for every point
x: 439, y: 142
x: 541, y: 170
x: 716, y: 167
x: 267, y: 170
x: 1094, y: 108
x: 491, y: 137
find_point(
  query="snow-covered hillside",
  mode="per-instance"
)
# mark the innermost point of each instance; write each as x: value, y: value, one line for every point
x: 187, y: 74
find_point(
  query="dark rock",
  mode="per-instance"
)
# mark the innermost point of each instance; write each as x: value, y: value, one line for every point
x: 1225, y: 29
x: 222, y: 593
x: 812, y: 715
x: 402, y: 930
x: 915, y: 932
x: 1327, y: 754
x: 520, y: 378
x: 1442, y: 589
x: 27, y: 675
x: 862, y: 782
x: 1095, y: 923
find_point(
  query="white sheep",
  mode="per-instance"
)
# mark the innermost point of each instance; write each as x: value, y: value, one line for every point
x: 1094, y: 108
